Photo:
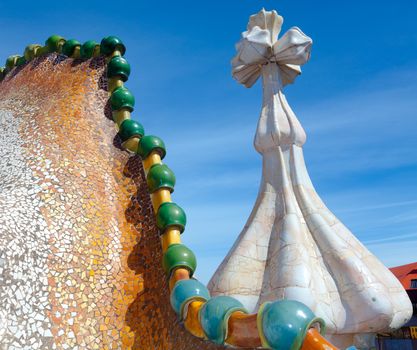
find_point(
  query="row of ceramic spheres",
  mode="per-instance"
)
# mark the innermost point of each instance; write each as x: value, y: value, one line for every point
x: 213, y: 315
x: 55, y: 43
x: 275, y: 328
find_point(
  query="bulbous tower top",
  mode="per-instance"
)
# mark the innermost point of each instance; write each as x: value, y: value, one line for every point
x: 261, y: 53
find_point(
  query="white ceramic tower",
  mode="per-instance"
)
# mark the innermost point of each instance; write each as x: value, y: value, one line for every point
x: 293, y: 246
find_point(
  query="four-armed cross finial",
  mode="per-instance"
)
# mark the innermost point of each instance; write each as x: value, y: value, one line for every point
x: 260, y: 45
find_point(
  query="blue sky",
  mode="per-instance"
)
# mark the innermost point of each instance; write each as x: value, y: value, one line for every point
x: 356, y: 98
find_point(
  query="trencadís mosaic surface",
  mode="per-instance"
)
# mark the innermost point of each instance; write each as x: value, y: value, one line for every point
x: 80, y: 255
